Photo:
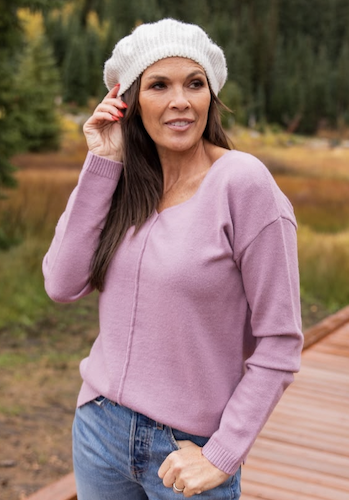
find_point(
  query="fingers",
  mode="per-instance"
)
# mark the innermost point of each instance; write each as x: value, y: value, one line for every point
x: 114, y: 91
x: 176, y: 489
x: 189, y: 470
x: 111, y: 108
x: 164, y: 467
x: 112, y: 96
x: 170, y: 472
x: 107, y: 110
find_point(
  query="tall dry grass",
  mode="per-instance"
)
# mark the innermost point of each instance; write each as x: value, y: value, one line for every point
x: 315, y: 176
x: 28, y: 217
x: 324, y: 267
x: 287, y: 154
x: 34, y: 207
x: 321, y: 205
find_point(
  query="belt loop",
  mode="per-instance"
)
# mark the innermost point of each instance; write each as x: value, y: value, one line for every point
x: 159, y: 426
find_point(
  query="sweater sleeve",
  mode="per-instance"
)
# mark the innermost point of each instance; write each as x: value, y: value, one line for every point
x: 66, y: 266
x: 269, y: 270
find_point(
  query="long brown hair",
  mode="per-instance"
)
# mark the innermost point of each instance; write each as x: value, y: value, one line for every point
x: 140, y: 187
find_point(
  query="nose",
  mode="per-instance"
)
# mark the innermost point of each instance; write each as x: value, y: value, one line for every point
x: 179, y: 100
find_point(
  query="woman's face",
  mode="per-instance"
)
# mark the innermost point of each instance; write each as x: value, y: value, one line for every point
x: 174, y: 100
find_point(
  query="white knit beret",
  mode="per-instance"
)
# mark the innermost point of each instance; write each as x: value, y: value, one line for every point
x: 151, y: 42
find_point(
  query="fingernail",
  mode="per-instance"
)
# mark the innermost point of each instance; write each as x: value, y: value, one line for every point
x: 120, y: 113
x: 124, y: 105
x: 117, y: 85
x: 115, y: 118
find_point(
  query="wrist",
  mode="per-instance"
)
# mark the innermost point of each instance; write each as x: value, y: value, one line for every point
x: 113, y: 157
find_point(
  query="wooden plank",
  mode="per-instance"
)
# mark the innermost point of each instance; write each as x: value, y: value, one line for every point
x: 270, y: 492
x: 297, y: 472
x: 318, y: 374
x: 324, y: 380
x: 327, y: 362
x: 335, y: 398
x: 306, y: 441
x: 315, y: 333
x: 337, y: 350
x: 300, y: 434
x: 293, y: 485
x: 63, y: 489
x: 302, y: 402
x: 306, y: 422
x: 309, y: 459
x: 303, y: 451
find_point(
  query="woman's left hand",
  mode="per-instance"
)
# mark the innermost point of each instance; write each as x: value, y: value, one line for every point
x: 190, y: 470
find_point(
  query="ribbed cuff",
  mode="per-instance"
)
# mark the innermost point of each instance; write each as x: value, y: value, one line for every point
x: 219, y: 457
x: 102, y: 166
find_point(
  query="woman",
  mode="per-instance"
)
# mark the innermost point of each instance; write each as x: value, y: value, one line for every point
x: 193, y: 249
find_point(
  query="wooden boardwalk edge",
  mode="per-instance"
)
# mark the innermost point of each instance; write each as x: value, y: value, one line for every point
x: 65, y: 489
x: 325, y: 327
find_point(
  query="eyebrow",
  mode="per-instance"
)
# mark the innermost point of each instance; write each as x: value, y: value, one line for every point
x: 165, y: 78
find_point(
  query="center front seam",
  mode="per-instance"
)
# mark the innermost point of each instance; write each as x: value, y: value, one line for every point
x: 133, y: 314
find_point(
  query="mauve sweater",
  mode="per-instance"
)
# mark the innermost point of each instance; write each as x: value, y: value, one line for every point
x: 200, y: 316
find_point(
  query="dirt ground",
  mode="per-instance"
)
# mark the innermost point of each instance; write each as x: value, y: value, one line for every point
x: 39, y: 385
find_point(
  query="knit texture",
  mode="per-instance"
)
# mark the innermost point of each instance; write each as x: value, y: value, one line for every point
x: 200, y: 315
x: 151, y: 42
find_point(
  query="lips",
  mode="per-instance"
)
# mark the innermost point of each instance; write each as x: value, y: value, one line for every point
x: 179, y: 123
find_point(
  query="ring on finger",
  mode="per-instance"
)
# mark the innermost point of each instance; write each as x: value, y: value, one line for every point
x: 177, y: 490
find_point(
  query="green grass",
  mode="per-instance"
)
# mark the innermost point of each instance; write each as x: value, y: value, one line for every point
x: 11, y: 410
x: 22, y: 295
x: 12, y: 359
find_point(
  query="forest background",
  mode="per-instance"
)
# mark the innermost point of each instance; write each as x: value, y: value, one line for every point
x: 288, y: 73
x: 288, y: 87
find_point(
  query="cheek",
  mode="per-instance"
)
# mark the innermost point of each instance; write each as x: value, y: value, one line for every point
x: 150, y: 115
x: 204, y: 107
x: 204, y: 116
x: 150, y: 124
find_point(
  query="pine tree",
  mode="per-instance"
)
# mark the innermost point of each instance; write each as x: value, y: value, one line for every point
x: 56, y: 31
x: 324, y: 103
x: 231, y: 96
x: 75, y: 68
x: 342, y: 85
x: 95, y: 61
x: 277, y: 83
x: 38, y: 85
x: 10, y: 42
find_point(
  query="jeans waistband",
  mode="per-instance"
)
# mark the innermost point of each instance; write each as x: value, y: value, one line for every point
x: 141, y: 419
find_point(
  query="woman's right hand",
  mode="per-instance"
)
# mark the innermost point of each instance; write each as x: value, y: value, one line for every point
x: 103, y: 131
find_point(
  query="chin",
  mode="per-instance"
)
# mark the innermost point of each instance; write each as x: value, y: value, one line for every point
x: 180, y: 147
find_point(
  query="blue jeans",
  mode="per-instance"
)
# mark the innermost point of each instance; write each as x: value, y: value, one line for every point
x: 117, y: 454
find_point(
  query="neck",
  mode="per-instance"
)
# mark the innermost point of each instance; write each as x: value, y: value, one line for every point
x: 177, y: 166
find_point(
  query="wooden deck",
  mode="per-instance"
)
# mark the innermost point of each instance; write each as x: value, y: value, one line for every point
x: 303, y: 451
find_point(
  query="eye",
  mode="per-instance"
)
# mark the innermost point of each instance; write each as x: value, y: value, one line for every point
x: 158, y: 85
x: 197, y: 84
